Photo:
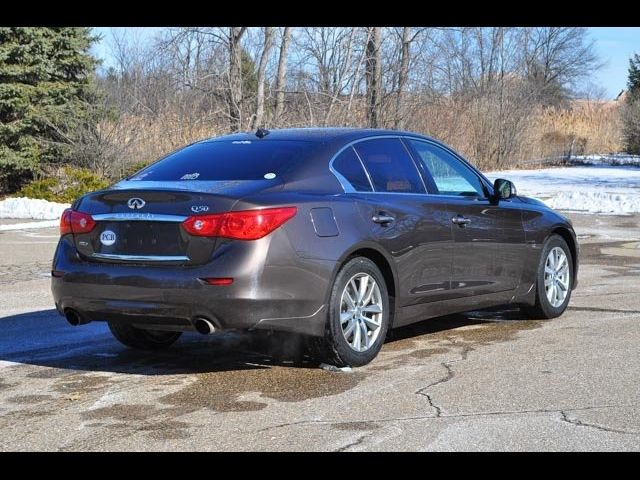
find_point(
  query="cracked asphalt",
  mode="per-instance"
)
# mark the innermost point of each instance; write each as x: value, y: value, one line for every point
x: 486, y: 380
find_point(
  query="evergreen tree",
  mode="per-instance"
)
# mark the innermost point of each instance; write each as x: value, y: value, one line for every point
x: 46, y: 91
x: 631, y: 109
x: 633, y: 83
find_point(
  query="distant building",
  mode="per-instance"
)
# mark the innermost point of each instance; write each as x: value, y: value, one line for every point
x: 622, y: 96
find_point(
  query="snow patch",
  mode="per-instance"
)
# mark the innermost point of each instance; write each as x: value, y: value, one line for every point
x: 333, y: 368
x: 30, y: 225
x: 594, y: 189
x: 23, y: 207
x: 595, y: 202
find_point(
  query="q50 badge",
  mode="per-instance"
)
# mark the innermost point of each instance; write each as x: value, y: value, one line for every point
x: 107, y: 238
x: 199, y: 208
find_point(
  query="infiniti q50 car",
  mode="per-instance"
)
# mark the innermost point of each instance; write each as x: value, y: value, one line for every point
x: 336, y: 234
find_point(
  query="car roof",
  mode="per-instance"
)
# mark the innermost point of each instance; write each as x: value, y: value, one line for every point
x: 313, y: 175
x: 329, y: 135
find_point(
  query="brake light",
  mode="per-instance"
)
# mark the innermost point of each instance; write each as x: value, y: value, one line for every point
x: 76, y: 222
x: 242, y: 225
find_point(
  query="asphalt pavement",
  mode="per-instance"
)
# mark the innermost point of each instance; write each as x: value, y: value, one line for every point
x: 489, y: 380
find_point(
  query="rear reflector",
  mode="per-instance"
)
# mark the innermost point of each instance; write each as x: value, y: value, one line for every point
x: 75, y: 222
x: 57, y: 273
x: 242, y: 225
x: 217, y: 281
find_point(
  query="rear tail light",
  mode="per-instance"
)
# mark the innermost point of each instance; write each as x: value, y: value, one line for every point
x: 76, y: 222
x: 242, y: 225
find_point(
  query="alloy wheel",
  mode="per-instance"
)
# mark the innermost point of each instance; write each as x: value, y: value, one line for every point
x: 361, y: 310
x: 556, y: 277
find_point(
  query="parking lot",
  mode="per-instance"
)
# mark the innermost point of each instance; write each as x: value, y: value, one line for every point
x: 478, y: 381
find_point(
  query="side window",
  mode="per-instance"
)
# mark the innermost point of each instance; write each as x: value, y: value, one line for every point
x: 390, y: 166
x: 348, y: 165
x: 450, y: 175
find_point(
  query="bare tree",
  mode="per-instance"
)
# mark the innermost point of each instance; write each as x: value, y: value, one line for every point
x: 235, y: 77
x: 481, y: 89
x: 555, y: 59
x: 407, y: 37
x: 328, y: 55
x: 403, y: 73
x: 282, y: 72
x: 373, y: 75
x: 262, y: 67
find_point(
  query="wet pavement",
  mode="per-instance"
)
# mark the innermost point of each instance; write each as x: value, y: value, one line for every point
x: 477, y: 381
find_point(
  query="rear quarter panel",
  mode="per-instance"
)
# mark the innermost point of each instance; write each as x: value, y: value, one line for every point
x: 309, y: 246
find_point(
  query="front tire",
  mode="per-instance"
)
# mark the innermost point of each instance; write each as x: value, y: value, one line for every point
x: 554, y: 280
x: 142, y: 339
x: 358, y: 315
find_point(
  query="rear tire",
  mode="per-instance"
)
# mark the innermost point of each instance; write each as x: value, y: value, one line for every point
x: 554, y: 280
x: 142, y: 339
x: 358, y: 316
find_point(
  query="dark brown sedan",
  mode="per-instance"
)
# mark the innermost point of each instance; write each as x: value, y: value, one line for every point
x: 337, y: 234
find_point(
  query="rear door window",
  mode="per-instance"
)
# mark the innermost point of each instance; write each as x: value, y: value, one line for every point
x: 348, y: 165
x: 389, y: 165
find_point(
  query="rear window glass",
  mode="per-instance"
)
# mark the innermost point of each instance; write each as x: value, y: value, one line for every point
x: 390, y: 166
x: 349, y: 166
x: 230, y: 160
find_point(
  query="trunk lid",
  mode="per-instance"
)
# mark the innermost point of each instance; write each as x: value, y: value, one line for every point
x: 140, y: 222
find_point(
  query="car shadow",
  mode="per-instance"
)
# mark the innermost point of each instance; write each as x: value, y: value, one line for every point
x: 44, y: 339
x: 458, y: 320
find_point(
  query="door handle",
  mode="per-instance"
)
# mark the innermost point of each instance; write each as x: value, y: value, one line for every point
x: 383, y: 219
x: 461, y: 221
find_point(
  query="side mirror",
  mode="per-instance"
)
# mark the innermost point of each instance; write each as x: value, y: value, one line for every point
x: 503, y: 190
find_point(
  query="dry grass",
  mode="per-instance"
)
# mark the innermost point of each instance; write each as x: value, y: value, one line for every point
x: 583, y: 128
x: 524, y: 138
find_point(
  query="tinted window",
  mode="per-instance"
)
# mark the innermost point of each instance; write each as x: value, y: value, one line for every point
x: 450, y: 175
x: 349, y: 166
x: 229, y: 160
x: 389, y: 165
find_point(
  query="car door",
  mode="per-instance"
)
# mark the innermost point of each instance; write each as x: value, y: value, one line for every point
x: 394, y: 203
x: 488, y: 238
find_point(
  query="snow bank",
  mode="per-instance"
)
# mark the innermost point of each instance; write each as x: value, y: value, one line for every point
x: 606, y: 159
x: 595, y: 202
x: 593, y: 189
x: 22, y: 207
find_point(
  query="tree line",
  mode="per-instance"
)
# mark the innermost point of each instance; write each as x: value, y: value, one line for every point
x: 477, y: 88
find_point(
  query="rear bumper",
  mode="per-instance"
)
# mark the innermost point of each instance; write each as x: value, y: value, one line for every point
x: 285, y: 293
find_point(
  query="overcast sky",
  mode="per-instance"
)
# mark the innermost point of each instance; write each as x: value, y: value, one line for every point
x: 615, y: 46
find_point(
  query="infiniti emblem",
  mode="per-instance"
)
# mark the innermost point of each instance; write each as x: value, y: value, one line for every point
x: 136, y: 203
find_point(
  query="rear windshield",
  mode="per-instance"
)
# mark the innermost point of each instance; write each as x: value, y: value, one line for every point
x: 229, y: 160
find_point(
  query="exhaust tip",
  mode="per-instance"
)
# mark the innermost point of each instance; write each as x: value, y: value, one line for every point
x: 74, y: 317
x: 204, y: 326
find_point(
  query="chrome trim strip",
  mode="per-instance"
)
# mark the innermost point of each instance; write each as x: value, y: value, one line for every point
x: 141, y: 258
x: 292, y: 318
x: 138, y: 217
x: 348, y: 188
x: 434, y: 195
